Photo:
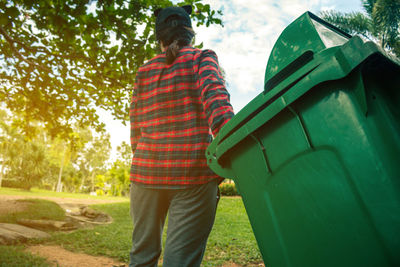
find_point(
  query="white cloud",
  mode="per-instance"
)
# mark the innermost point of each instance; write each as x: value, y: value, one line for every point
x: 244, y: 44
x: 251, y: 29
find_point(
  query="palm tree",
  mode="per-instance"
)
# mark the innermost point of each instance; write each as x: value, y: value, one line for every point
x: 380, y: 23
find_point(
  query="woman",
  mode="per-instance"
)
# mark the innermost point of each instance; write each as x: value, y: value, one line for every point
x: 178, y: 103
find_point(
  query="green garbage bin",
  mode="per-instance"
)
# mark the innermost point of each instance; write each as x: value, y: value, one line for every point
x: 316, y: 156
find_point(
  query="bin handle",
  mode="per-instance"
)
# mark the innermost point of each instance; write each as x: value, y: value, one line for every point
x: 262, y: 147
x: 227, y: 142
x: 215, y: 164
x: 302, y: 125
x: 295, y: 65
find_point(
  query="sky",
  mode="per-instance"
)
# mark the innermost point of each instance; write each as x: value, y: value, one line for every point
x: 243, y: 45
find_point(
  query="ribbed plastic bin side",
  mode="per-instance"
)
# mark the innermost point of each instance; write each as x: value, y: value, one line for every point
x: 316, y: 156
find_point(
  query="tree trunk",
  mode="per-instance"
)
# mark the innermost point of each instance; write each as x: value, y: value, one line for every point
x: 59, y: 184
x: 82, y: 184
x: 1, y: 173
x: 59, y: 187
x: 92, y: 177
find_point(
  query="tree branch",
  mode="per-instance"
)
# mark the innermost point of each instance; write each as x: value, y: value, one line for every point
x: 12, y: 41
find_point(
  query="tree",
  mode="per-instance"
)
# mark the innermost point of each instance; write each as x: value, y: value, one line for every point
x: 118, y: 175
x: 381, y: 23
x: 23, y: 159
x: 52, y: 163
x: 62, y: 60
x: 3, y: 143
x: 92, y: 160
x: 63, y: 152
x: 125, y: 153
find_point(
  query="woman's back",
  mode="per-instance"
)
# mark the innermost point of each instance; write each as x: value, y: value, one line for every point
x: 168, y: 107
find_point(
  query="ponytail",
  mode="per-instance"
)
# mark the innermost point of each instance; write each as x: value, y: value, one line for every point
x: 172, y: 52
x: 175, y: 39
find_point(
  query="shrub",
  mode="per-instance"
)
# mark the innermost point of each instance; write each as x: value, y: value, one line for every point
x: 11, y: 183
x: 228, y: 189
x: 100, y: 192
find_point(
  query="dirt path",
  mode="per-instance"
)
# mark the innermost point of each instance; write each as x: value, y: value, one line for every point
x: 63, y: 200
x: 59, y: 256
x: 56, y: 255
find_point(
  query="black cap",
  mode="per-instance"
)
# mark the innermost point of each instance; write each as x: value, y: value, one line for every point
x: 170, y: 17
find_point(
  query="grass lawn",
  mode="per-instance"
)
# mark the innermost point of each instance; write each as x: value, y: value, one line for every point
x: 39, y: 209
x: 231, y: 239
x: 35, y: 192
x: 13, y: 256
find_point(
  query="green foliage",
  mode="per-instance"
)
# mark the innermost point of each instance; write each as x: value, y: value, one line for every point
x: 36, y: 209
x: 14, y: 256
x: 92, y: 161
x: 23, y: 160
x: 125, y: 153
x: 115, y: 182
x: 62, y: 60
x: 118, y: 178
x: 27, y: 162
x: 40, y: 160
x: 352, y: 23
x: 10, y: 183
x: 381, y: 22
x: 228, y: 189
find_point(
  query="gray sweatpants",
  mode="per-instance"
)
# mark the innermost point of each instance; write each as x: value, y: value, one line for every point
x: 191, y: 214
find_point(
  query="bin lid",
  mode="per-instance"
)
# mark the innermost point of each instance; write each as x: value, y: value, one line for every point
x: 307, y: 35
x: 327, y: 55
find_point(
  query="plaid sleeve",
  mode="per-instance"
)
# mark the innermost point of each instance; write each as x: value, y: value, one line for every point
x: 214, y: 96
x: 135, y: 130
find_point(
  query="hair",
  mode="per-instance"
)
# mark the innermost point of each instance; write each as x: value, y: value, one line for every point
x: 181, y: 36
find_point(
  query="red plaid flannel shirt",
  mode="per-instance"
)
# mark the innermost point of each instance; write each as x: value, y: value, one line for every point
x: 175, y: 109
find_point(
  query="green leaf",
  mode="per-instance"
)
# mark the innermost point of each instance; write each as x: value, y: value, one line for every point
x: 3, y: 19
x: 71, y: 55
x: 12, y: 12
